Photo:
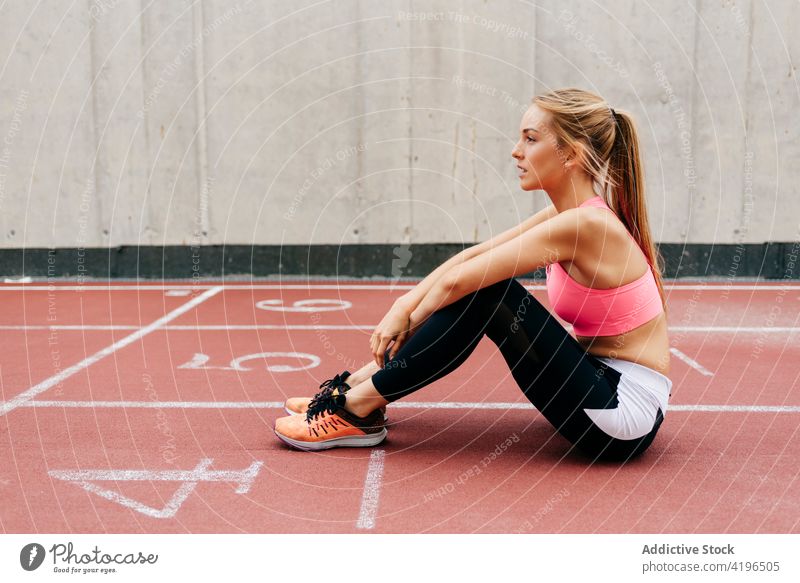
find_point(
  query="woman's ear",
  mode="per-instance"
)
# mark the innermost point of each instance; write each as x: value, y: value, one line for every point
x: 571, y: 157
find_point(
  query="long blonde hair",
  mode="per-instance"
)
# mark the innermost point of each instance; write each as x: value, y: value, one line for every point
x: 607, y: 145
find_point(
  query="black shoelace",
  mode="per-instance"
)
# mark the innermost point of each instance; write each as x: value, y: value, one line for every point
x: 323, y: 401
x: 330, y: 384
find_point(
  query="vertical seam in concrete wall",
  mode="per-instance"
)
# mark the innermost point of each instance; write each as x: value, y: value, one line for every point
x: 93, y: 74
x: 361, y: 66
x: 462, y: 72
x: 410, y: 130
x: 692, y: 93
x: 145, y: 212
x: 748, y: 67
x: 200, y: 103
x: 743, y: 230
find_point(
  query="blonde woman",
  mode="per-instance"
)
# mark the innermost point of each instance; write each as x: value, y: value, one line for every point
x: 606, y: 389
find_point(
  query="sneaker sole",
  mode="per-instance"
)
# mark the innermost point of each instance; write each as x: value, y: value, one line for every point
x: 290, y: 412
x: 349, y: 441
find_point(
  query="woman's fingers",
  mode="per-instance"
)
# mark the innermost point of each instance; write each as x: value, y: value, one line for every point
x: 373, y: 345
x: 382, y: 349
x: 398, y: 343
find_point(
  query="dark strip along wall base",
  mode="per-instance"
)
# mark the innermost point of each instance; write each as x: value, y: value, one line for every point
x: 769, y: 261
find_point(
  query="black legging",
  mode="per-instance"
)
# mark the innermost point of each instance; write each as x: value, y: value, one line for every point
x: 553, y: 370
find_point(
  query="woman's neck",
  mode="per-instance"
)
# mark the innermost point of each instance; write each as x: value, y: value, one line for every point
x: 574, y: 191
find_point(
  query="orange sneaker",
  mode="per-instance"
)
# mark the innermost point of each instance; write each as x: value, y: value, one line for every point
x: 328, y: 424
x: 299, y: 405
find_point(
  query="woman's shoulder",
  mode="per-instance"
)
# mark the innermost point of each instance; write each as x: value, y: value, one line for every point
x: 608, y: 247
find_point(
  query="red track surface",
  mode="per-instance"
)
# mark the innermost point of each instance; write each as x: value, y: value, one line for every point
x: 172, y: 436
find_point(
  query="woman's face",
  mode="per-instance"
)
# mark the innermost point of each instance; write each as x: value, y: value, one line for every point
x: 540, y: 159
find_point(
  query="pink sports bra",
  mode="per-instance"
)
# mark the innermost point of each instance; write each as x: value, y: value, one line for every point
x: 602, y: 312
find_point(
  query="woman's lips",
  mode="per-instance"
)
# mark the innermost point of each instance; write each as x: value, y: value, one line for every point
x: 521, y: 171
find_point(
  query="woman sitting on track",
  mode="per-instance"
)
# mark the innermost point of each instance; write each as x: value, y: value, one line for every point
x: 605, y: 391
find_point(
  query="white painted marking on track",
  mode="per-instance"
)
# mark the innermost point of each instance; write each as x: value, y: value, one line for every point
x: 157, y: 404
x: 394, y: 405
x: 54, y: 380
x: 190, y: 478
x: 232, y: 327
x: 170, y: 508
x: 670, y: 407
x: 691, y: 362
x: 310, y: 305
x: 199, y: 361
x: 735, y: 408
x: 242, y: 478
x: 73, y: 327
x: 389, y: 287
x: 372, y: 490
x: 735, y: 329
x: 177, y: 292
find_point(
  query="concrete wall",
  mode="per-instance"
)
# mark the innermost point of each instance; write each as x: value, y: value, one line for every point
x: 268, y: 123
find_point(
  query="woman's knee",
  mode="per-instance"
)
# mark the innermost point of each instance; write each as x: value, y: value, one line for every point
x: 477, y: 300
x: 506, y: 290
x: 498, y: 309
x: 617, y: 450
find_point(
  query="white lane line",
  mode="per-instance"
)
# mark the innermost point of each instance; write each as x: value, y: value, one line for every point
x: 35, y: 390
x: 157, y: 404
x: 736, y: 408
x: 735, y: 329
x: 395, y: 405
x: 372, y: 490
x: 242, y: 478
x: 228, y: 287
x: 691, y: 362
x: 225, y: 327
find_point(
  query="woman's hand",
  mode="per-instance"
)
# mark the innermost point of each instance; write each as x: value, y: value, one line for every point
x: 394, y: 326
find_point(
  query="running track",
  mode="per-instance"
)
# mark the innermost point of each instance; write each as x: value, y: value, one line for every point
x: 149, y: 408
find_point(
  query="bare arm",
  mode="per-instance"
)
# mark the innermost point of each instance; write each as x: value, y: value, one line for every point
x: 414, y: 297
x: 556, y: 240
